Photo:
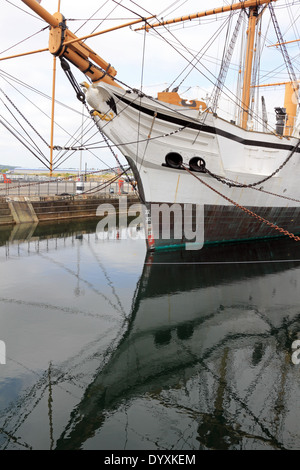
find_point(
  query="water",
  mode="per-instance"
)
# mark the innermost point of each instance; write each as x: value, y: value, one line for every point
x: 107, y: 348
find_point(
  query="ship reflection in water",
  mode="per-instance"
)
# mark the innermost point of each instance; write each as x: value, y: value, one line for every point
x: 110, y: 348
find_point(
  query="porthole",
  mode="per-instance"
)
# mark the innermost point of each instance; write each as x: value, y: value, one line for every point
x: 197, y: 164
x: 174, y: 160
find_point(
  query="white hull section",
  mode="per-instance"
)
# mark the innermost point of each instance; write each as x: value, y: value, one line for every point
x: 229, y: 151
x: 146, y: 130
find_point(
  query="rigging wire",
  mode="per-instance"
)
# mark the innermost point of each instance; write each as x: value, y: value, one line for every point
x: 14, y: 132
x: 215, y: 60
x: 71, y: 136
x: 21, y: 114
x: 97, y: 146
x: 25, y: 11
x: 33, y: 143
x: 8, y: 78
x: 104, y: 18
x: 148, y: 138
x: 229, y: 94
x: 168, y: 10
x: 124, y: 18
x: 101, y: 21
x: 23, y: 40
x: 28, y: 121
x: 293, y: 23
x: 85, y: 22
x: 67, y: 69
x: 227, y: 54
x: 94, y: 155
x: 76, y: 138
x: 283, y: 49
x: 258, y: 118
x: 198, y: 59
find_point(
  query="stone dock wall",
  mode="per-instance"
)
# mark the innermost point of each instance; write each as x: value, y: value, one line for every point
x: 20, y: 210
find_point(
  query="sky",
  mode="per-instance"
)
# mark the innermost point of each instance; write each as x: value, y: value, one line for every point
x: 142, y: 60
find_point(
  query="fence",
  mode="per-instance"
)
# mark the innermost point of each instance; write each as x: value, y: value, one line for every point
x: 55, y: 187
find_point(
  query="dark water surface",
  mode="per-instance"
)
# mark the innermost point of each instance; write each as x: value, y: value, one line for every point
x: 110, y: 349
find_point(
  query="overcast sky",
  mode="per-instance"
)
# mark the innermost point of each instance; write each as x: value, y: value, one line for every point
x: 127, y: 50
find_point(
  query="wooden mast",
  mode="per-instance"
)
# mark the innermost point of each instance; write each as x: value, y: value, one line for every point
x: 248, y: 66
x: 52, y: 109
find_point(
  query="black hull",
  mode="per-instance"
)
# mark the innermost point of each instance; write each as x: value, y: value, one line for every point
x: 224, y: 224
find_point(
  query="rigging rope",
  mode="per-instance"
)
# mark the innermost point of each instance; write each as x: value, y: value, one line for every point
x: 282, y: 46
x: 21, y: 42
x: 28, y: 148
x: 103, y: 185
x: 57, y: 161
x: 25, y: 119
x: 81, y: 96
x: 33, y: 144
x: 228, y: 92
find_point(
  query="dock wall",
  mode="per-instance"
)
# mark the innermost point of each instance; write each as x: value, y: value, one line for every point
x: 21, y: 210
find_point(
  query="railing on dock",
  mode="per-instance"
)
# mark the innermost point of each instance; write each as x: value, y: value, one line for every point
x: 30, y: 186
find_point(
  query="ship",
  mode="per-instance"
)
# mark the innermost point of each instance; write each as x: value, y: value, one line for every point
x: 202, y: 179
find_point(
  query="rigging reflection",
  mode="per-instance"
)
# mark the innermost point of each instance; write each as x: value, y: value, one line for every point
x: 212, y: 322
x: 209, y: 335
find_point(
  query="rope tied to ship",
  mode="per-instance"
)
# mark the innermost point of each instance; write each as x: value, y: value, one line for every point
x: 244, y: 209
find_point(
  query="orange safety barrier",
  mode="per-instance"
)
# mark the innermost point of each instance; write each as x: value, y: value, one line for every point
x: 6, y: 180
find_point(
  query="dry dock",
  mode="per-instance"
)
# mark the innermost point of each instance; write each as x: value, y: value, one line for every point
x: 22, y: 209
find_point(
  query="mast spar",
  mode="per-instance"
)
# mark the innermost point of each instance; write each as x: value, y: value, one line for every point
x: 235, y: 6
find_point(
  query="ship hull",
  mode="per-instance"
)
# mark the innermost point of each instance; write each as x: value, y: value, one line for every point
x: 247, y: 189
x: 218, y: 224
